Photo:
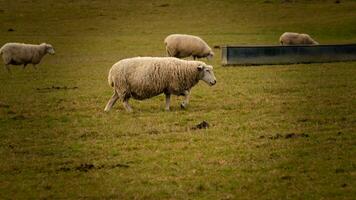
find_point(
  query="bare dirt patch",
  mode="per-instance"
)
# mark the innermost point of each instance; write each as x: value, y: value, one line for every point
x: 86, y: 167
x: 285, y: 136
x: 201, y: 125
x: 53, y: 88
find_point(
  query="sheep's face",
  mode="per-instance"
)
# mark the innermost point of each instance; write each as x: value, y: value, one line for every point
x: 313, y: 42
x: 210, y: 55
x: 308, y: 40
x: 207, y: 74
x: 50, y: 49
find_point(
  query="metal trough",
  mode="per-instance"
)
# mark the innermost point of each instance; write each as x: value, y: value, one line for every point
x: 265, y: 55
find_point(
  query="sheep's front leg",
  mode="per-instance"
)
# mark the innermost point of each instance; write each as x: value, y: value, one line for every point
x: 34, y: 66
x: 168, y: 101
x: 127, y: 105
x: 185, y: 102
x: 8, y: 68
x: 111, y: 102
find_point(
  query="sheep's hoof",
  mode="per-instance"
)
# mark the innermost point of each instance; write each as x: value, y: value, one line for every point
x: 167, y: 109
x: 183, y: 106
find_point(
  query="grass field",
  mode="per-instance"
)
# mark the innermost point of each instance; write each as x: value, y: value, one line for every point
x: 276, y: 132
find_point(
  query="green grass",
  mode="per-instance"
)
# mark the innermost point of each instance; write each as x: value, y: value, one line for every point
x: 59, y: 144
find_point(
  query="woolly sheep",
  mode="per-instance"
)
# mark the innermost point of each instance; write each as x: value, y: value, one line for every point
x: 145, y: 77
x: 181, y: 46
x: 19, y: 53
x: 289, y: 38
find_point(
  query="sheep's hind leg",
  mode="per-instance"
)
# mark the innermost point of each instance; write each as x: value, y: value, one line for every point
x: 185, y: 102
x: 111, y: 102
x: 34, y: 66
x: 127, y: 105
x: 24, y: 66
x: 168, y: 101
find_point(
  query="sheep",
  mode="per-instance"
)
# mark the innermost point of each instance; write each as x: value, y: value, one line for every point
x: 20, y: 53
x: 289, y: 38
x: 181, y: 46
x: 145, y: 77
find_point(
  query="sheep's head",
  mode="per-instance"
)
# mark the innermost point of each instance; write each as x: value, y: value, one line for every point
x: 49, y: 48
x: 210, y: 55
x: 315, y: 42
x: 308, y: 40
x: 207, y: 74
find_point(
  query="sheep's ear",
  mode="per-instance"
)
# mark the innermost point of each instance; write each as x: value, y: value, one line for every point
x: 200, y: 67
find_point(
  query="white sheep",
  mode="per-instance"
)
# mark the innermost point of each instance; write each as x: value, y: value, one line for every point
x: 181, y: 46
x: 23, y: 54
x: 289, y: 38
x: 145, y: 77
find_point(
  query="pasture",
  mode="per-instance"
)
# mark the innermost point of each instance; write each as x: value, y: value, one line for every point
x: 275, y: 132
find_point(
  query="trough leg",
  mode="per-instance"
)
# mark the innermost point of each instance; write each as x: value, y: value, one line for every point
x: 111, y: 102
x: 168, y: 101
x: 185, y: 102
x: 127, y: 105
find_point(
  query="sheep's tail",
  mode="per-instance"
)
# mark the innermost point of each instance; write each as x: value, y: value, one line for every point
x: 110, y: 79
x: 168, y: 53
x: 281, y: 41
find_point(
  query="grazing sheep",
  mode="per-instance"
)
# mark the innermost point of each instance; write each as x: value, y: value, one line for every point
x: 145, y: 77
x: 181, y: 46
x: 289, y: 38
x: 23, y: 54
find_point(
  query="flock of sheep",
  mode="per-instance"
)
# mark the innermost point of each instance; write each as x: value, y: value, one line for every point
x: 145, y: 77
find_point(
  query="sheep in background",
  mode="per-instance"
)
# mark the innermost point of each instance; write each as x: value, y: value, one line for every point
x: 145, y: 77
x: 289, y: 38
x: 23, y: 54
x: 181, y: 46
